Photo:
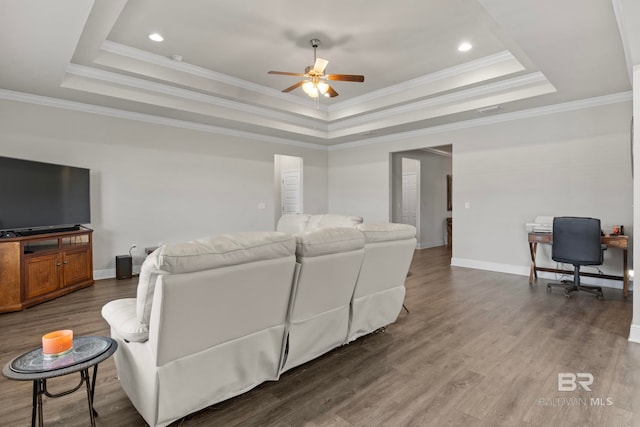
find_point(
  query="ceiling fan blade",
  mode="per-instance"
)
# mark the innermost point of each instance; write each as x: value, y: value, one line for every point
x: 345, y: 77
x: 286, y: 73
x: 331, y: 92
x: 292, y: 87
x: 320, y: 65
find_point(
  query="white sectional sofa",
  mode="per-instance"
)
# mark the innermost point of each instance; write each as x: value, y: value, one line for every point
x: 217, y: 316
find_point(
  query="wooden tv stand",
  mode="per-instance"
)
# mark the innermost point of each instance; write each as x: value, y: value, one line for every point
x: 41, y: 267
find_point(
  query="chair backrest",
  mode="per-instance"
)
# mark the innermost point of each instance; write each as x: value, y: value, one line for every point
x: 576, y: 241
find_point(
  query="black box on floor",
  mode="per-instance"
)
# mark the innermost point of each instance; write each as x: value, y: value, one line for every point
x: 124, y: 267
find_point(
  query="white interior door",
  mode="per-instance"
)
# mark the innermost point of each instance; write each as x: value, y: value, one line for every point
x: 409, y: 198
x: 290, y: 191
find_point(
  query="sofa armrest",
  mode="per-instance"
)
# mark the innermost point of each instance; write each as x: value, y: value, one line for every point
x: 121, y: 316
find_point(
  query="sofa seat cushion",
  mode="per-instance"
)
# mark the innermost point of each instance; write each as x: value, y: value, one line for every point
x: 384, y: 232
x: 121, y: 316
x: 328, y: 241
x: 292, y: 223
x: 208, y: 253
x: 331, y: 220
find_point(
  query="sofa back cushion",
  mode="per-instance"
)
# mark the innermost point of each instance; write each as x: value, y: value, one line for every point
x: 384, y: 232
x: 207, y: 253
x: 327, y: 241
x: 292, y: 223
x: 317, y: 222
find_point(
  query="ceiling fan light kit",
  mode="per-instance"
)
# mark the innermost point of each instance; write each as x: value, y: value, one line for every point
x: 315, y: 83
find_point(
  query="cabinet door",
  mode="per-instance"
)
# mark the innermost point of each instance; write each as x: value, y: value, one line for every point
x: 10, y: 293
x: 77, y: 266
x: 41, y: 275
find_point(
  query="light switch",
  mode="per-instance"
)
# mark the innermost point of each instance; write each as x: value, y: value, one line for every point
x: 262, y: 205
x: 467, y: 205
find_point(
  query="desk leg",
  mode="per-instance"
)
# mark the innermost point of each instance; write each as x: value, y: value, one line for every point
x: 533, y: 247
x: 625, y: 275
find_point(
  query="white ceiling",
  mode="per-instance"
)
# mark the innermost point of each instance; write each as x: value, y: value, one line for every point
x: 95, y: 55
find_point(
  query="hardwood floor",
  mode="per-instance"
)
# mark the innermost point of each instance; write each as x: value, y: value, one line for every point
x: 477, y: 349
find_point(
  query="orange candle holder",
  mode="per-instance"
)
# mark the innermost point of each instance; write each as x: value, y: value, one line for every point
x: 57, y: 343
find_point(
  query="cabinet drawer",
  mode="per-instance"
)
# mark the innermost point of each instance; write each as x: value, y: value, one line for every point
x: 541, y: 237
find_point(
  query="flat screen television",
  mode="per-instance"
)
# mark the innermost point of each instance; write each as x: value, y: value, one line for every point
x: 40, y: 196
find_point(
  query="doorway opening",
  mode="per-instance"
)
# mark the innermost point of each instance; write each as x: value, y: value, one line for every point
x: 406, y: 191
x: 288, y: 179
x: 419, y: 189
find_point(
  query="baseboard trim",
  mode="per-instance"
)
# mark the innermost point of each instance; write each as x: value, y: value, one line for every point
x: 634, y: 333
x: 428, y: 245
x: 524, y: 271
x: 490, y: 266
x: 104, y: 274
x: 110, y: 273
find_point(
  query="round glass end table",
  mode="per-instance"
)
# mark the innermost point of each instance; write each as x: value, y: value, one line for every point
x: 34, y: 366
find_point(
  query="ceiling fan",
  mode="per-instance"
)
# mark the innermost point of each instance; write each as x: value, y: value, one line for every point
x: 315, y: 83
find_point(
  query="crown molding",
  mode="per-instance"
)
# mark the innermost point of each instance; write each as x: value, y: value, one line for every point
x: 148, y: 118
x: 463, y: 95
x: 425, y: 80
x: 172, y: 91
x: 185, y: 67
x: 615, y: 98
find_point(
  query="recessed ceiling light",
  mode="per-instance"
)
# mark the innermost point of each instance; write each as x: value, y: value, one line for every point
x: 464, y: 46
x: 156, y: 37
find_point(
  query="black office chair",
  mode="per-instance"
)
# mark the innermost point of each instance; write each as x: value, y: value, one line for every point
x: 577, y: 241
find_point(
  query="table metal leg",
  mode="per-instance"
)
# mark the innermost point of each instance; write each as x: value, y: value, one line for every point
x: 85, y: 377
x: 42, y: 385
x: 34, y: 408
x: 93, y: 389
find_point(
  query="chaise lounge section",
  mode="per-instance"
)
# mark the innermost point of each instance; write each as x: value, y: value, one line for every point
x: 208, y: 322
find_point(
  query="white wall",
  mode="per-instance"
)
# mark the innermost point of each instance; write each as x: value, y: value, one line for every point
x: 154, y: 183
x: 574, y: 162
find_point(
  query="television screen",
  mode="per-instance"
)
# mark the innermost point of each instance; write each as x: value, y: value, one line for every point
x: 38, y: 195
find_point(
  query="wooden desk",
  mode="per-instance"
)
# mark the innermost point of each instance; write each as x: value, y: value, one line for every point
x: 619, y: 242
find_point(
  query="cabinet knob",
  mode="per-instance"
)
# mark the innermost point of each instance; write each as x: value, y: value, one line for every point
x: 58, y: 264
x: 66, y: 262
